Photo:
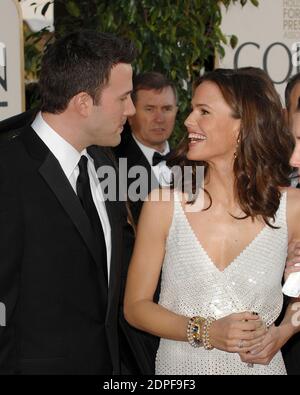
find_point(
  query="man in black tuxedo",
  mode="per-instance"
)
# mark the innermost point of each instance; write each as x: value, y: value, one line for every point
x: 146, y: 143
x: 60, y: 241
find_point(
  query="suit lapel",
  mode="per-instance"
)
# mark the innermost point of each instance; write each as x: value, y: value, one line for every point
x: 104, y: 157
x: 59, y: 184
x: 54, y: 176
x: 116, y: 252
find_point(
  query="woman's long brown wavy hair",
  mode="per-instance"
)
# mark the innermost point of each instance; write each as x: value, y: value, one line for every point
x: 264, y: 147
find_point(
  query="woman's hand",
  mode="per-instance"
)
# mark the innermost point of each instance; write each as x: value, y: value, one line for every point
x: 276, y: 337
x: 292, y: 259
x: 263, y: 354
x: 237, y: 332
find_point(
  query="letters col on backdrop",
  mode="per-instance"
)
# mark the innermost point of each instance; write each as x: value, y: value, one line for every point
x: 268, y: 37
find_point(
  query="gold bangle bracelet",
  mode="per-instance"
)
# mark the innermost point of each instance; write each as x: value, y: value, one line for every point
x: 194, y: 331
x: 205, y: 334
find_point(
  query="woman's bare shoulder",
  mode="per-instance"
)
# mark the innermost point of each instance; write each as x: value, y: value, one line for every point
x: 163, y: 198
x: 157, y: 209
x: 161, y: 195
x: 159, y: 202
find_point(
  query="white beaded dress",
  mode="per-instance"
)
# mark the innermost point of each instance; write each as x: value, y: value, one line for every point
x: 192, y: 285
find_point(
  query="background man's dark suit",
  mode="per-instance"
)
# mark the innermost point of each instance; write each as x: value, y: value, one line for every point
x: 60, y: 317
x: 129, y: 149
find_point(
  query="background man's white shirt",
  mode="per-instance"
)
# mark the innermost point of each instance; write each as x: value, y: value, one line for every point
x: 162, y: 171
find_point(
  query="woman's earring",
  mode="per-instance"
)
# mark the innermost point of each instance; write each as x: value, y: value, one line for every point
x: 237, y: 144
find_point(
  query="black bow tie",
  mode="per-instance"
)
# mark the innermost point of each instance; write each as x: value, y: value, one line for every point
x: 157, y: 158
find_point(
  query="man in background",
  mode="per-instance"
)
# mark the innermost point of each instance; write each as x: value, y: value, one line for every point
x: 146, y: 143
x: 11, y: 127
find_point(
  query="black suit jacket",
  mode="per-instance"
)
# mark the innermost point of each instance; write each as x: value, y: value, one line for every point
x: 60, y: 316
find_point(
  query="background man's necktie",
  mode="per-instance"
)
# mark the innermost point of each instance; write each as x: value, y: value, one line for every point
x: 157, y: 158
x: 84, y: 194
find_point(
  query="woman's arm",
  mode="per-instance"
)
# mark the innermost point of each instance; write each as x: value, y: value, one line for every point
x: 277, y: 337
x: 144, y: 271
x: 143, y: 275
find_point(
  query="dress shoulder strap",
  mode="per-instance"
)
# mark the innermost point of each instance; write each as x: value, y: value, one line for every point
x: 280, y: 218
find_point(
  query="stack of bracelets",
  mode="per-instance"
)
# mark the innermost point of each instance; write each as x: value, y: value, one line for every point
x: 198, y: 332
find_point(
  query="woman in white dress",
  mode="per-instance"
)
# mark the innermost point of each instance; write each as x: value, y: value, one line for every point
x: 222, y: 266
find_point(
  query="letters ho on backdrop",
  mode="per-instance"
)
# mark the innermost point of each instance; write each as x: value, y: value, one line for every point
x: 268, y: 37
x: 11, y: 59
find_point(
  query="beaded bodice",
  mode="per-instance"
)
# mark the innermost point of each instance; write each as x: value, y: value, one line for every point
x: 192, y: 285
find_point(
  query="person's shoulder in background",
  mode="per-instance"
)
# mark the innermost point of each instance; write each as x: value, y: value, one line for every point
x: 11, y: 127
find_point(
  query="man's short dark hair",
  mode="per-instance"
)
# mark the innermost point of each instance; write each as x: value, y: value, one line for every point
x: 151, y: 81
x: 80, y: 62
x: 288, y: 90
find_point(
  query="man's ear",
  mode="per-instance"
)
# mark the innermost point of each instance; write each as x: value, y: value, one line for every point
x: 82, y: 103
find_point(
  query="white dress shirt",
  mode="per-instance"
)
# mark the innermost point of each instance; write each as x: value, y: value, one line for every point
x: 68, y: 158
x: 161, y: 170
